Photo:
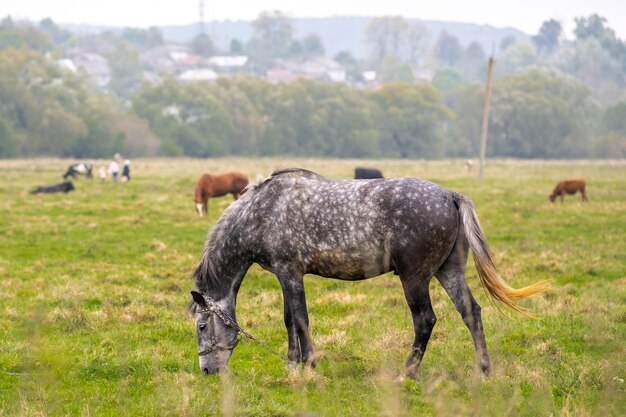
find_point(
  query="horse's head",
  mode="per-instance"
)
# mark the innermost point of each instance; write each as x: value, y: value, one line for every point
x: 552, y: 197
x: 216, y: 330
x: 199, y: 208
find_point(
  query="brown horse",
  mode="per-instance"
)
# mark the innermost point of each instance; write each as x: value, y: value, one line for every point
x: 569, y: 187
x: 216, y: 186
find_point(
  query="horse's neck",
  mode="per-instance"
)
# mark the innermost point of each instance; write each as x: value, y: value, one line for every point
x: 230, y: 262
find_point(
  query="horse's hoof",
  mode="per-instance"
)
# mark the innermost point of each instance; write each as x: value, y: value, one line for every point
x: 292, y: 367
x: 485, y: 367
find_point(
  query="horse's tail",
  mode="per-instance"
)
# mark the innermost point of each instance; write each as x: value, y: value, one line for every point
x: 497, y: 288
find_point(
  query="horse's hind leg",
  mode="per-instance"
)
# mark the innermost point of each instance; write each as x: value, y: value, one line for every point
x: 451, y: 275
x: 418, y: 299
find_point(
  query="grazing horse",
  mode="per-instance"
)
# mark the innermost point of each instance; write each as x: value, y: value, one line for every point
x: 297, y: 222
x: 64, y: 187
x: 569, y: 187
x: 81, y: 168
x: 367, y: 173
x: 216, y: 186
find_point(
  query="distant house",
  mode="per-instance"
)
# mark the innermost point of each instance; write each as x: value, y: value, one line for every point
x: 282, y: 72
x: 66, y: 63
x: 198, y: 74
x: 324, y: 69
x: 370, y: 80
x: 423, y: 74
x: 321, y: 69
x: 96, y: 66
x: 170, y: 59
x: 236, y: 61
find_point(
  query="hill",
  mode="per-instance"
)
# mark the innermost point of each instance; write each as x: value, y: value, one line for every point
x: 337, y: 33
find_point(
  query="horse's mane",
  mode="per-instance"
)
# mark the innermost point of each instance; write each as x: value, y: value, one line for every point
x: 206, y: 274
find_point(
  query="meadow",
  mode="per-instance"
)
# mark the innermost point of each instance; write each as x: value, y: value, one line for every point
x: 94, y: 287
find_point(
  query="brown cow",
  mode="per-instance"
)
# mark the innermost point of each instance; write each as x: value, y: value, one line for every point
x: 569, y: 187
x: 216, y: 186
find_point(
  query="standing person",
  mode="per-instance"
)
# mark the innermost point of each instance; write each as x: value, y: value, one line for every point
x: 126, y: 171
x: 102, y: 173
x: 114, y: 167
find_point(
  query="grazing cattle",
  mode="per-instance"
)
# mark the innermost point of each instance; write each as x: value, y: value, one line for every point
x: 569, y: 187
x: 81, y: 168
x: 216, y: 186
x: 64, y: 187
x: 367, y: 173
x: 297, y: 222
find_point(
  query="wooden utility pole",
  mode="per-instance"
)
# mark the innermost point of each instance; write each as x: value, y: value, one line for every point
x: 483, y: 136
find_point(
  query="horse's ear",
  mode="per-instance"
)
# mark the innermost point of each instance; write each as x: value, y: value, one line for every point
x: 198, y: 298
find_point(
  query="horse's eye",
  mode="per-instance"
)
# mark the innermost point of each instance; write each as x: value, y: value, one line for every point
x: 202, y: 326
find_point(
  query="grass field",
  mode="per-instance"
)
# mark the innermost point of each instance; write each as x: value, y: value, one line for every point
x: 94, y: 286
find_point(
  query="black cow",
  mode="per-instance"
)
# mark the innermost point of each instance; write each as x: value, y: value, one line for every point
x: 367, y: 173
x: 81, y: 168
x: 64, y: 187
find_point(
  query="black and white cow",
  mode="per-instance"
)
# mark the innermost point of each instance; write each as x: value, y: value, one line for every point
x: 367, y: 173
x: 81, y: 168
x: 64, y: 187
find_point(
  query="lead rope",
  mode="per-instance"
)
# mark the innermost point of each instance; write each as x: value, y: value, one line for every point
x: 227, y: 320
x: 263, y: 345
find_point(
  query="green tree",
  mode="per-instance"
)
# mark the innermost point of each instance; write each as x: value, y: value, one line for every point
x: 548, y: 38
x: 236, y: 47
x: 541, y: 113
x: 588, y: 61
x: 507, y: 42
x: 516, y: 58
x: 47, y: 111
x: 410, y: 120
x: 126, y: 69
x: 473, y: 63
x: 53, y: 30
x: 448, y: 49
x: 417, y: 40
x: 393, y: 69
x: 203, y: 46
x: 387, y: 35
x: 614, y: 119
x: 23, y: 35
x: 594, y: 27
x: 9, y: 142
x: 143, y: 38
x: 312, y: 46
x: 447, y: 79
x: 188, y: 117
x: 272, y: 35
x: 345, y: 58
x: 463, y: 133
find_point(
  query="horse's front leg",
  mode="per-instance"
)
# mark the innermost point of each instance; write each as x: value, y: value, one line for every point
x: 297, y: 319
x: 293, y: 349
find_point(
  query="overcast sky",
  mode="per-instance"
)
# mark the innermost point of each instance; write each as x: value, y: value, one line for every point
x: 526, y: 15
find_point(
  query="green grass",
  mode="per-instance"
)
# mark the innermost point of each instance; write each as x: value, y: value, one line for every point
x: 94, y: 286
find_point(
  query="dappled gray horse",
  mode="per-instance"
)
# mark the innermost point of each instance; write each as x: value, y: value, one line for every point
x: 298, y: 222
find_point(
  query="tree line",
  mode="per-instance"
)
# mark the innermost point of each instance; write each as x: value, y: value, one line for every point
x: 538, y: 111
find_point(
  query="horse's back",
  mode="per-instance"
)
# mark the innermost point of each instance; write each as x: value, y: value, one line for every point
x: 354, y: 229
x: 220, y: 185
